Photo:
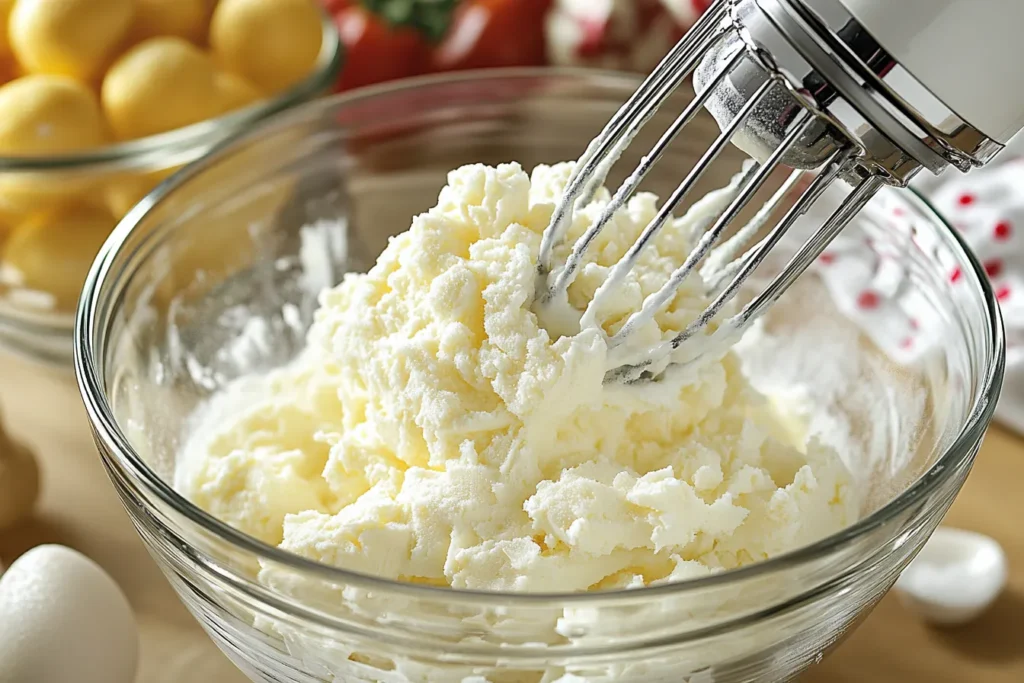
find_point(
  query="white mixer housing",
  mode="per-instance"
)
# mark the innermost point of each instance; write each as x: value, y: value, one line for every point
x: 968, y: 53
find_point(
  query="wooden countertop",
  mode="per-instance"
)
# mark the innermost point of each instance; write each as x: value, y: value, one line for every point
x: 79, y: 509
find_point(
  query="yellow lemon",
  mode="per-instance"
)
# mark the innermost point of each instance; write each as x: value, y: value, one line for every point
x: 183, y: 18
x: 272, y: 43
x: 46, y: 115
x: 159, y: 85
x: 52, y: 252
x: 5, y: 17
x: 236, y: 92
x: 69, y: 37
x: 42, y: 115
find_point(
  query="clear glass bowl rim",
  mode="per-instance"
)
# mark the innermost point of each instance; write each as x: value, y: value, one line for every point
x: 325, y: 70
x: 90, y: 343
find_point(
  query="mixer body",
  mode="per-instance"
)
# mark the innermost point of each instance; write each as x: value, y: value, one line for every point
x: 822, y: 58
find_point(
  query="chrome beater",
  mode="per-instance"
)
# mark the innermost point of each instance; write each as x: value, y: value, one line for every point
x: 796, y: 84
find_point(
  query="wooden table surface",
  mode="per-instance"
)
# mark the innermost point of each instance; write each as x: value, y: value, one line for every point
x: 79, y: 509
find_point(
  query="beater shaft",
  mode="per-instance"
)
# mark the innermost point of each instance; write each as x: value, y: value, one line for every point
x: 592, y: 167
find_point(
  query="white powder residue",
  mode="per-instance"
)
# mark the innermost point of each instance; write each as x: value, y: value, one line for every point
x: 823, y: 370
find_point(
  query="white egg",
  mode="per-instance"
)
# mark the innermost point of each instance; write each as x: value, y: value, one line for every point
x: 955, y: 576
x: 64, y: 620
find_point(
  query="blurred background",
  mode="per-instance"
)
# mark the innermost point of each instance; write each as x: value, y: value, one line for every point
x: 101, y: 100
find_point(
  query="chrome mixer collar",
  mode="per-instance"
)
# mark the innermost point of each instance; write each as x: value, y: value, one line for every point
x: 822, y: 58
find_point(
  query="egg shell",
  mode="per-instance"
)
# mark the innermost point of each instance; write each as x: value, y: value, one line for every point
x: 64, y: 621
x: 955, y: 577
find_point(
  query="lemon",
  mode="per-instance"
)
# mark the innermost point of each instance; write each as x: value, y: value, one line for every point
x: 68, y: 37
x: 235, y: 91
x: 183, y: 18
x: 46, y: 115
x: 51, y: 252
x: 272, y: 43
x: 159, y: 85
x: 42, y: 115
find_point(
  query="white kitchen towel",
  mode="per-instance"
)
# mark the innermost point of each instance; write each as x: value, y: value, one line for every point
x: 986, y: 206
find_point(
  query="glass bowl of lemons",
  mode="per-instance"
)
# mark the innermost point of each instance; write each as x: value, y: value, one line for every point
x: 101, y: 100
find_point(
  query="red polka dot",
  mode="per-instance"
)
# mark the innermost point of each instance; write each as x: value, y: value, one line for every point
x: 868, y: 299
x: 1003, y: 293
x: 993, y: 268
x: 1002, y: 230
x: 906, y: 342
x: 898, y: 211
x: 956, y: 274
x: 827, y: 258
x: 914, y: 325
x: 965, y: 199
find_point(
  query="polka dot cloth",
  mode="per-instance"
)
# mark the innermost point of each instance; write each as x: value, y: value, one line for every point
x: 987, y: 207
x: 868, y: 284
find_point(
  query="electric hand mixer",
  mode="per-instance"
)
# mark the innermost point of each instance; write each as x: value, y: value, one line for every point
x: 868, y: 92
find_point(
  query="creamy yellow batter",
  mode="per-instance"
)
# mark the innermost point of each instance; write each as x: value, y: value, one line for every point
x: 434, y: 432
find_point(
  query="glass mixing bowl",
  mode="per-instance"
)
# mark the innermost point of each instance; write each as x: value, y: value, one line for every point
x: 37, y: 309
x: 215, y: 275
